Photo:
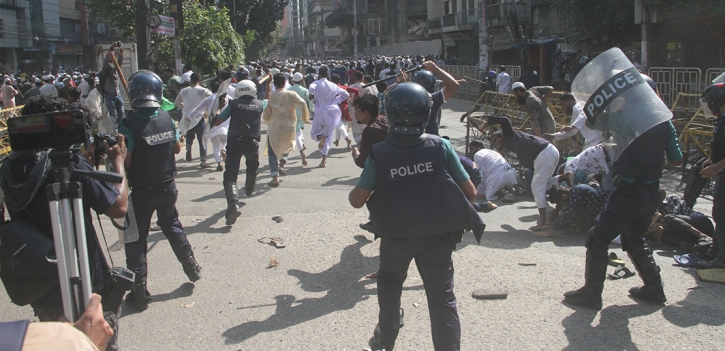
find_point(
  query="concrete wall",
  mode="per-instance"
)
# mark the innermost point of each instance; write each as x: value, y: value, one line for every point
x: 432, y: 47
x: 435, y: 8
x: 10, y: 37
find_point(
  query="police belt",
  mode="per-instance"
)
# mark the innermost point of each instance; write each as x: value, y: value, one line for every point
x: 638, y: 184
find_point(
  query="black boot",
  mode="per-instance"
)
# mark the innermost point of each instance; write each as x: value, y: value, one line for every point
x: 590, y: 295
x: 139, y: 297
x: 249, y: 184
x: 233, y: 212
x: 191, y: 267
x: 649, y: 272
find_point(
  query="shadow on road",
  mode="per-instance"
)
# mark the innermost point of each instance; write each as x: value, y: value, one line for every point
x: 184, y: 290
x: 517, y: 239
x: 611, y: 333
x: 341, y: 281
x: 700, y: 306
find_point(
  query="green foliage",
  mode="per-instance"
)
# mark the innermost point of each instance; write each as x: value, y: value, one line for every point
x: 259, y: 16
x: 208, y: 41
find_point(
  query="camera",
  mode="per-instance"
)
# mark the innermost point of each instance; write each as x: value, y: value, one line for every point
x: 53, y: 130
x: 98, y: 140
x: 123, y: 280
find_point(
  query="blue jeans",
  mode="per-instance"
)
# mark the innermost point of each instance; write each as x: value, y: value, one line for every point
x: 273, y: 161
x: 114, y: 104
x: 198, y: 132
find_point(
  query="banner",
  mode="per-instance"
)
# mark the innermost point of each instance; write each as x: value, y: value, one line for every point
x: 167, y: 26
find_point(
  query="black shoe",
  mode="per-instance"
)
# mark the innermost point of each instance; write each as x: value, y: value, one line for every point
x: 139, y: 297
x: 219, y: 168
x: 710, y: 264
x: 188, y: 155
x: 584, y: 297
x: 368, y: 227
x: 203, y: 164
x: 232, y: 215
x: 191, y: 268
x: 376, y: 345
x: 649, y: 293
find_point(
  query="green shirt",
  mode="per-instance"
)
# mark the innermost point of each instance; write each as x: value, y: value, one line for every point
x: 368, y: 178
x: 143, y: 113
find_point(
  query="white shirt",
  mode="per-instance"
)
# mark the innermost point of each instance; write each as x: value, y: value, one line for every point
x: 48, y: 90
x: 186, y: 77
x: 327, y: 93
x: 490, y: 161
x: 93, y: 101
x: 504, y: 82
x: 189, y: 98
x: 383, y: 73
x: 591, y: 137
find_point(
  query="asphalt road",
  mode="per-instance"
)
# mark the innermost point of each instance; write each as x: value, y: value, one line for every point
x: 317, y: 297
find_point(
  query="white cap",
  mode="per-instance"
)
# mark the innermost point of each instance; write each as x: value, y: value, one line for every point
x: 274, y: 71
x: 37, y: 80
x: 297, y: 77
x: 7, y: 80
x: 518, y: 85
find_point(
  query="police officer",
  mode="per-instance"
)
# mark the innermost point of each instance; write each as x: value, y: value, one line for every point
x: 152, y: 142
x: 638, y: 168
x: 714, y: 99
x: 245, y: 131
x: 404, y: 174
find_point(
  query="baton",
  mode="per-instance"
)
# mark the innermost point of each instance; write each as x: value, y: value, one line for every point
x: 118, y: 69
x: 414, y: 69
x: 474, y: 79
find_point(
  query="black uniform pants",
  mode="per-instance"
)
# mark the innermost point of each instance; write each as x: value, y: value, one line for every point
x: 160, y: 198
x: 236, y: 148
x: 433, y: 258
x: 628, y: 212
x: 718, y: 215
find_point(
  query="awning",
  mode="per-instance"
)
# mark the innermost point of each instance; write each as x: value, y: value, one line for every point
x: 530, y: 42
x: 341, y: 17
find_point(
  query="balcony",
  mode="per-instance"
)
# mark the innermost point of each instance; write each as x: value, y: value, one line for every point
x: 454, y: 22
x: 11, y: 4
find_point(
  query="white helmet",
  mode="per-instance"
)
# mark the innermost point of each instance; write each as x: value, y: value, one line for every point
x: 245, y: 88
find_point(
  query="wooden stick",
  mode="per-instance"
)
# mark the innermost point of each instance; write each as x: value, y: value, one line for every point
x: 118, y: 69
x: 473, y: 79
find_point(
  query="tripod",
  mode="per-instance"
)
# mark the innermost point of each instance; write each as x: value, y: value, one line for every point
x: 65, y: 199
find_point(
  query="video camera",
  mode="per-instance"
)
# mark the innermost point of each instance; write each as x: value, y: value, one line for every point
x: 98, y: 140
x: 58, y: 130
x: 61, y: 132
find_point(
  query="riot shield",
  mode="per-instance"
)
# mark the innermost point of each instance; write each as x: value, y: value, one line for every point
x: 618, y: 101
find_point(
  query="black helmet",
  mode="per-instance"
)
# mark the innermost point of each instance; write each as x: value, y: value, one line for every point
x: 714, y: 97
x: 426, y: 79
x: 145, y: 89
x: 407, y: 106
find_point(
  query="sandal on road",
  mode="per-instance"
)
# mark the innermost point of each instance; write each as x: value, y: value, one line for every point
x: 621, y: 272
x: 276, y: 242
x: 510, y: 198
x: 614, y: 260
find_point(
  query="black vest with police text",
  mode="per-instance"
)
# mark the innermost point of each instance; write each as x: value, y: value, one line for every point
x: 246, y: 118
x: 153, y: 159
x: 415, y: 195
x: 643, y: 158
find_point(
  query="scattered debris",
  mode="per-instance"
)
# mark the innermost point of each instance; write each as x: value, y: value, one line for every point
x: 276, y: 242
x: 694, y: 287
x: 526, y: 264
x: 278, y: 219
x: 485, y: 294
x: 188, y: 305
x: 416, y: 304
x: 273, y: 262
x: 212, y: 178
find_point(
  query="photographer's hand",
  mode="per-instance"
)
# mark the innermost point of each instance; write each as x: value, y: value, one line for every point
x: 93, y: 325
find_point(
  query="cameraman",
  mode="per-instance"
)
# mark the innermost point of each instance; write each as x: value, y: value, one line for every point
x: 23, y: 178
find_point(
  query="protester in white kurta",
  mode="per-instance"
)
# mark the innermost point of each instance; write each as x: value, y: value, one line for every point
x: 579, y: 124
x: 217, y: 134
x: 327, y: 96
x: 497, y: 173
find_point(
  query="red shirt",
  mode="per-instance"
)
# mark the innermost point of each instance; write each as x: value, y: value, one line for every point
x: 344, y: 106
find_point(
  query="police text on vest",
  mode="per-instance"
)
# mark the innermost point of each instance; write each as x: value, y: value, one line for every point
x: 411, y: 170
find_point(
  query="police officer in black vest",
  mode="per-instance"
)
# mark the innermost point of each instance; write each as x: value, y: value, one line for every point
x: 152, y: 142
x: 419, y: 197
x: 637, y: 196
x: 245, y: 131
x: 713, y: 99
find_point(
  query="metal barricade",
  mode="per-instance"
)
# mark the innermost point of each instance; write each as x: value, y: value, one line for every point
x: 4, y: 139
x: 711, y: 74
x: 673, y: 80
